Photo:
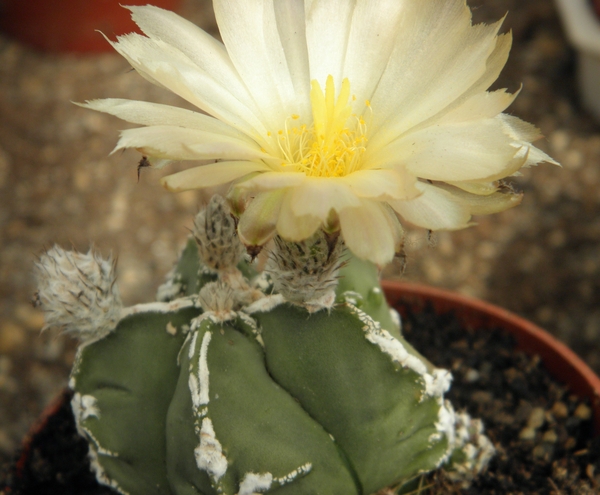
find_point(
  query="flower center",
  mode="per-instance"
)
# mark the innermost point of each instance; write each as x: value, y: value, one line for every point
x: 332, y: 146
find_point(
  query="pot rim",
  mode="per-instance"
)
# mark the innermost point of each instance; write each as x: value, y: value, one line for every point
x: 561, y: 362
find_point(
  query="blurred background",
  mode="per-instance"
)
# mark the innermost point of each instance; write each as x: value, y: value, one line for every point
x: 58, y: 184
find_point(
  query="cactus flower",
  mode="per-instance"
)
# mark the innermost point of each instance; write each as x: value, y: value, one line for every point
x: 335, y: 114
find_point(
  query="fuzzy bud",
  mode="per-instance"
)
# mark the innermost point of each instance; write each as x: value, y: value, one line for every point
x: 78, y: 292
x: 215, y: 233
x: 216, y: 297
x: 305, y: 272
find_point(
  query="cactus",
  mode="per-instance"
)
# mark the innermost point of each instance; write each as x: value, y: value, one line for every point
x: 238, y: 382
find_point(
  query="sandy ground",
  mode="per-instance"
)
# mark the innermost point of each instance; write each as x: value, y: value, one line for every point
x: 58, y: 184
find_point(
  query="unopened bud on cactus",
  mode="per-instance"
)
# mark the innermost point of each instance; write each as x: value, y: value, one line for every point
x: 215, y: 233
x: 306, y: 272
x: 218, y: 300
x: 78, y: 292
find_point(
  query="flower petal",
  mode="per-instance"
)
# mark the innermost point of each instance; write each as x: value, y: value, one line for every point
x: 487, y: 204
x: 210, y: 175
x: 327, y: 29
x: 180, y: 143
x: 485, y: 105
x: 209, y: 54
x: 258, y: 223
x: 272, y: 180
x: 250, y: 33
x: 371, y: 39
x: 292, y: 227
x: 318, y: 196
x: 146, y: 113
x: 495, y: 63
x: 435, y: 209
x: 472, y: 150
x: 438, y: 56
x: 167, y: 67
x: 524, y: 133
x: 371, y: 231
x: 481, y: 188
x: 195, y: 43
x: 382, y: 184
x: 291, y: 24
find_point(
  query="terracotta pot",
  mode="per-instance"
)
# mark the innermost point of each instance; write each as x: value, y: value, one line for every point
x: 560, y: 361
x: 70, y: 25
x: 38, y: 428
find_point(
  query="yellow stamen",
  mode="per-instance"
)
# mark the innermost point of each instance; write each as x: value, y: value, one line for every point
x: 333, y: 145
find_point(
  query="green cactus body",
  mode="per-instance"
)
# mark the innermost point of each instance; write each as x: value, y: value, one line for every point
x: 359, y: 284
x: 249, y: 434
x: 124, y: 384
x: 376, y: 408
x: 266, y: 398
x: 188, y: 276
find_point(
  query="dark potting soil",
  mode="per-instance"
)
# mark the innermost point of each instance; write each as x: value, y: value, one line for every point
x: 542, y: 433
x: 54, y: 460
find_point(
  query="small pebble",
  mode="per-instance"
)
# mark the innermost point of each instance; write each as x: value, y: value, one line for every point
x: 527, y: 433
x: 559, y: 471
x: 570, y: 443
x: 471, y: 375
x: 560, y: 410
x: 589, y: 470
x: 550, y: 437
x: 536, y: 418
x: 583, y: 412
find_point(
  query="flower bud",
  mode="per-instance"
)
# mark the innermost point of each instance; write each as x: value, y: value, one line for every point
x: 215, y: 233
x: 218, y: 299
x: 305, y: 272
x: 78, y: 292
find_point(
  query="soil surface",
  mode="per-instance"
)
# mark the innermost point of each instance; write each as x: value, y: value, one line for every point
x: 542, y: 433
x: 58, y: 184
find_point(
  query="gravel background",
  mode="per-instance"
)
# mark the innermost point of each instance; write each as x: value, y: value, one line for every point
x: 58, y: 184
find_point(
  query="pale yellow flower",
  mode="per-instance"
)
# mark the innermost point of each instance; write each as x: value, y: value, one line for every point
x: 343, y: 114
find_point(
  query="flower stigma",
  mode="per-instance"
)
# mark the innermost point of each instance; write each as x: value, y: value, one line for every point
x: 333, y: 145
